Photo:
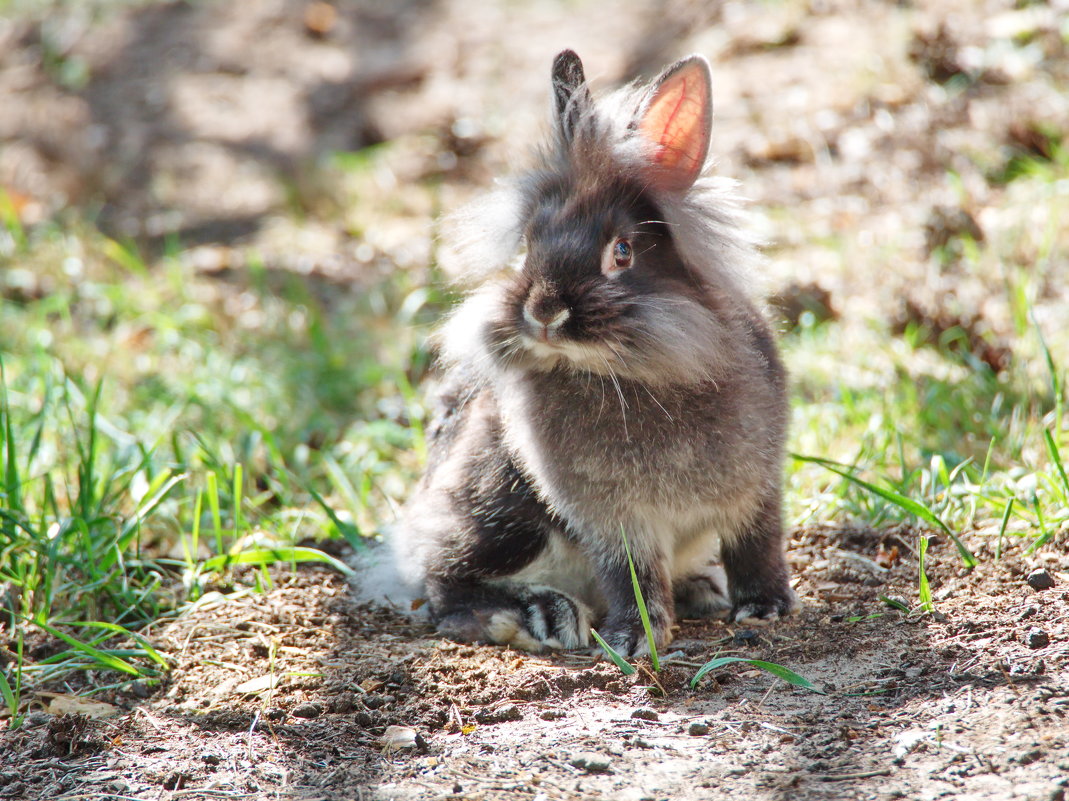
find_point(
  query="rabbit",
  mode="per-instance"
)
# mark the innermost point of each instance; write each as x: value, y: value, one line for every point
x: 610, y: 376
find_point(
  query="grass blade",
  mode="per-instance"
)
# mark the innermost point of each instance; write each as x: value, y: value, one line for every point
x: 643, y: 613
x: 11, y: 701
x: 923, y: 589
x: 11, y: 484
x: 895, y: 604
x: 13, y: 695
x: 238, y: 495
x: 349, y: 531
x: 778, y: 671
x: 1056, y: 457
x: 916, y: 509
x: 1046, y: 533
x: 146, y: 646
x: 269, y: 556
x: 213, y: 504
x: 625, y: 667
x: 102, y: 658
x: 147, y: 506
x: 1002, y: 528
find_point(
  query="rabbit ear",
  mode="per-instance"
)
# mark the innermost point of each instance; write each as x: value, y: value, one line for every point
x: 677, y: 120
x: 569, y: 91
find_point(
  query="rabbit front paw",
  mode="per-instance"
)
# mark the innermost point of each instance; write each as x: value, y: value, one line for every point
x: 629, y: 639
x: 527, y: 617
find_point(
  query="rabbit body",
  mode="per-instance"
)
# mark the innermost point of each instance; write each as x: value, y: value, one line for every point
x: 616, y: 380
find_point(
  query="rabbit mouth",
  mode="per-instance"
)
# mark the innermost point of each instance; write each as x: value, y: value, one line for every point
x: 588, y: 357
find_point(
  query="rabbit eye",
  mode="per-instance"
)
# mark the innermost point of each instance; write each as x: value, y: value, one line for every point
x: 618, y: 256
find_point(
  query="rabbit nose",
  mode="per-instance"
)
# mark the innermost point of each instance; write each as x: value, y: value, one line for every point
x: 545, y: 315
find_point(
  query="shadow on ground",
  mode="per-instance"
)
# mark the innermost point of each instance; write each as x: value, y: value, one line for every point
x: 290, y: 693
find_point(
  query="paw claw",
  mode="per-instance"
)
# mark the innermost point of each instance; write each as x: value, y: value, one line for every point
x: 762, y: 612
x: 529, y: 618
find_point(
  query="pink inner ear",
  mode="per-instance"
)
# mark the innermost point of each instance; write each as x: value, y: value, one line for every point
x: 677, y: 121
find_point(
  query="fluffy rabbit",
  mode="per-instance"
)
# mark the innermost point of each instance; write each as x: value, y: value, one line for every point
x: 610, y: 373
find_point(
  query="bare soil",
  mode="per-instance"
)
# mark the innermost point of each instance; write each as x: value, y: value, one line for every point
x: 844, y: 118
x: 293, y: 693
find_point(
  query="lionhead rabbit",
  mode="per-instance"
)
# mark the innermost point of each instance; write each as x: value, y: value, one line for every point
x: 610, y: 374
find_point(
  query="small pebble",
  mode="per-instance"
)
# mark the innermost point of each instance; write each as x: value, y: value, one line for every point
x: 374, y: 700
x: 307, y: 710
x: 1036, y: 638
x: 645, y: 714
x: 697, y: 729
x: 1040, y: 580
x: 343, y: 702
x: 499, y: 714
x: 591, y: 762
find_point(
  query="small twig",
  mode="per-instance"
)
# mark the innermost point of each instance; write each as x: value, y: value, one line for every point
x: 653, y: 677
x: 248, y: 736
x: 152, y: 720
x: 1006, y: 675
x: 770, y: 727
x: 862, y: 560
x: 768, y: 692
x: 861, y: 774
x: 185, y: 643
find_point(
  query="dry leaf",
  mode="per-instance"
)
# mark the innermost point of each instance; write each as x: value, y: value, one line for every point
x: 319, y: 18
x: 371, y: 685
x: 887, y: 557
x: 258, y: 685
x: 397, y: 737
x: 73, y: 705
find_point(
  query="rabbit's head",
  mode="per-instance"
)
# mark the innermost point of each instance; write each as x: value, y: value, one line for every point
x: 628, y: 267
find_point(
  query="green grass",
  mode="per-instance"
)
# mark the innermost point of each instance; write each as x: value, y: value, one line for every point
x: 163, y: 434
x: 917, y: 427
x: 956, y: 454
x: 776, y: 670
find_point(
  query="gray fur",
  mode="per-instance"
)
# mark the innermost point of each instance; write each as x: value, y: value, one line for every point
x: 658, y: 408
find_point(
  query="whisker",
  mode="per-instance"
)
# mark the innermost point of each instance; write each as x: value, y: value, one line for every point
x: 620, y: 395
x: 666, y: 414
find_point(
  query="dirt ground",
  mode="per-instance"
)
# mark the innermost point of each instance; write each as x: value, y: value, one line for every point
x: 293, y: 694
x: 202, y: 119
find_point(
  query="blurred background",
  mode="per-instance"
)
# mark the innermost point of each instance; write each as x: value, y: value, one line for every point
x: 217, y: 258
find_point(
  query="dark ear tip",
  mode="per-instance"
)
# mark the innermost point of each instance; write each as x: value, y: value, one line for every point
x: 566, y: 55
x: 568, y: 65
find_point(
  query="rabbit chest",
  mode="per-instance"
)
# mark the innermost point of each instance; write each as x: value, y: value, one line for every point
x: 601, y: 451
